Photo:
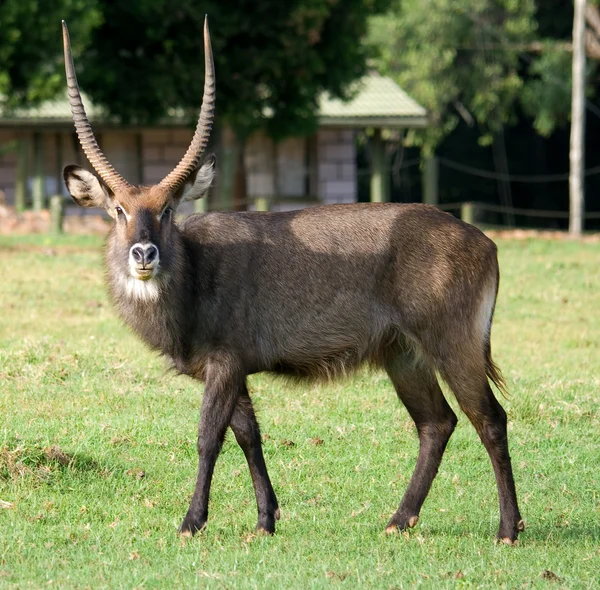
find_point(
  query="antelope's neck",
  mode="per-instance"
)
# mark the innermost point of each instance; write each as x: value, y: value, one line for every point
x: 156, y: 309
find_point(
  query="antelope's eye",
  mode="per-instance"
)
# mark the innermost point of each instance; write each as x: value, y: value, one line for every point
x: 167, y: 213
x: 119, y: 211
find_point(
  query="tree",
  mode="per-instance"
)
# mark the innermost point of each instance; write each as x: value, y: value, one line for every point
x: 459, y: 59
x: 481, y: 61
x: 145, y: 58
x: 142, y: 59
x: 30, y: 48
x: 495, y: 73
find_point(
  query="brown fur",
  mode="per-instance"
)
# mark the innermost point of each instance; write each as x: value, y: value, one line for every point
x: 315, y: 294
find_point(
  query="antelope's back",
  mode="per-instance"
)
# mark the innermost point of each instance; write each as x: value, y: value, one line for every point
x: 325, y: 279
x: 334, y: 243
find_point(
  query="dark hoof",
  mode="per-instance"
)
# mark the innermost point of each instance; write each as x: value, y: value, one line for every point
x: 261, y: 530
x: 508, y: 535
x: 189, y: 527
x: 266, y: 524
x: 401, y: 523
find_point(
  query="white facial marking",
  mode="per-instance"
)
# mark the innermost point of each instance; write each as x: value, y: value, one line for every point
x: 149, y: 270
x: 140, y: 290
x: 160, y: 215
x: 127, y: 216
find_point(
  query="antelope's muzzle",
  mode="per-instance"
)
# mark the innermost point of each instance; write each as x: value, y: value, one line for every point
x: 143, y: 260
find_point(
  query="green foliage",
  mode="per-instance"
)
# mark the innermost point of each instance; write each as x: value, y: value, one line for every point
x: 270, y: 56
x: 457, y: 59
x: 98, y: 459
x: 479, y: 60
x: 546, y: 96
x: 141, y: 59
x: 30, y: 46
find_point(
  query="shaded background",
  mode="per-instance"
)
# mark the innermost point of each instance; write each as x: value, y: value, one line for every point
x: 494, y: 76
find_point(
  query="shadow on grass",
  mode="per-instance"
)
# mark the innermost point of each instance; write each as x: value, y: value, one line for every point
x: 540, y: 532
x: 19, y: 460
x: 573, y: 532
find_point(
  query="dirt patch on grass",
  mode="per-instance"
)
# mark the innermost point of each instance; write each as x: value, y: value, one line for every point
x: 51, y: 251
x: 38, y: 222
x: 527, y: 234
x: 18, y: 461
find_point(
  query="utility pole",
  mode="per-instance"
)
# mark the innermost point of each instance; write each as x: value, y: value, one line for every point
x: 577, y: 151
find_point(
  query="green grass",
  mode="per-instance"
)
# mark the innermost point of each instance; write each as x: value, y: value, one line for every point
x: 98, y: 459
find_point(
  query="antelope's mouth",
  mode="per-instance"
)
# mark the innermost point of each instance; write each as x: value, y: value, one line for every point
x: 144, y: 274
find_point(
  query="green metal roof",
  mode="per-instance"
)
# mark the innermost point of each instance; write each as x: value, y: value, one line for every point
x: 58, y: 112
x: 55, y: 111
x: 378, y: 102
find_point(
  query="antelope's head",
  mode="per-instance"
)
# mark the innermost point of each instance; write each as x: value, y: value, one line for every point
x: 144, y: 216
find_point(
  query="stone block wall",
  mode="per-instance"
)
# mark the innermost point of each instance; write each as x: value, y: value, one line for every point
x: 336, y: 165
x: 321, y: 166
x: 260, y: 166
x: 162, y: 149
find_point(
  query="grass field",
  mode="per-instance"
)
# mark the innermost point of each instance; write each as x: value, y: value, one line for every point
x: 98, y: 459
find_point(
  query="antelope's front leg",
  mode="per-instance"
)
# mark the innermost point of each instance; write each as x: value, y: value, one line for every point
x: 220, y: 398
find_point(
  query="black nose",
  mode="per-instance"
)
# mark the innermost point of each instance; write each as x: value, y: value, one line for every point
x: 138, y: 254
x: 151, y: 254
x: 145, y: 255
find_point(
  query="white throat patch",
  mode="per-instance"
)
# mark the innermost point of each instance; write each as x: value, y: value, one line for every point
x: 140, y: 290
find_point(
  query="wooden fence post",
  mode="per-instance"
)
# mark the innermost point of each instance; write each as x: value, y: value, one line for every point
x: 201, y: 205
x: 261, y: 203
x: 21, y: 180
x: 57, y: 214
x: 431, y: 173
x: 378, y: 169
x: 467, y: 213
x: 38, y: 188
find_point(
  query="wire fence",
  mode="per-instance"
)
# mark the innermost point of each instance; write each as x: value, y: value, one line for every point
x: 527, y: 178
x: 474, y: 211
x: 487, y: 174
x: 469, y: 211
x: 542, y: 213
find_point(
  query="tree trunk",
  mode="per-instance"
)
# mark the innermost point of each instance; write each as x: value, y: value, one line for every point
x: 503, y: 182
x: 240, y: 193
x: 232, y: 171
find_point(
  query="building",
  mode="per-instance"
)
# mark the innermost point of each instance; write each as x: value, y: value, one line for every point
x: 35, y: 145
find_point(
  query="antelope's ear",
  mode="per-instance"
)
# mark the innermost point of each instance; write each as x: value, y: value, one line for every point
x: 199, y: 181
x: 85, y: 188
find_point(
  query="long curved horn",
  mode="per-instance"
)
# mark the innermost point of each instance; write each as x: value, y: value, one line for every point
x: 82, y: 126
x: 190, y: 161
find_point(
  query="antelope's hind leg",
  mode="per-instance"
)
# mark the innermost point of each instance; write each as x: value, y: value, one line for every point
x: 478, y: 402
x: 247, y: 433
x: 418, y: 389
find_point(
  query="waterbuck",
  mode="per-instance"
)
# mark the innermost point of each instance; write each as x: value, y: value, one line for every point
x: 309, y: 294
